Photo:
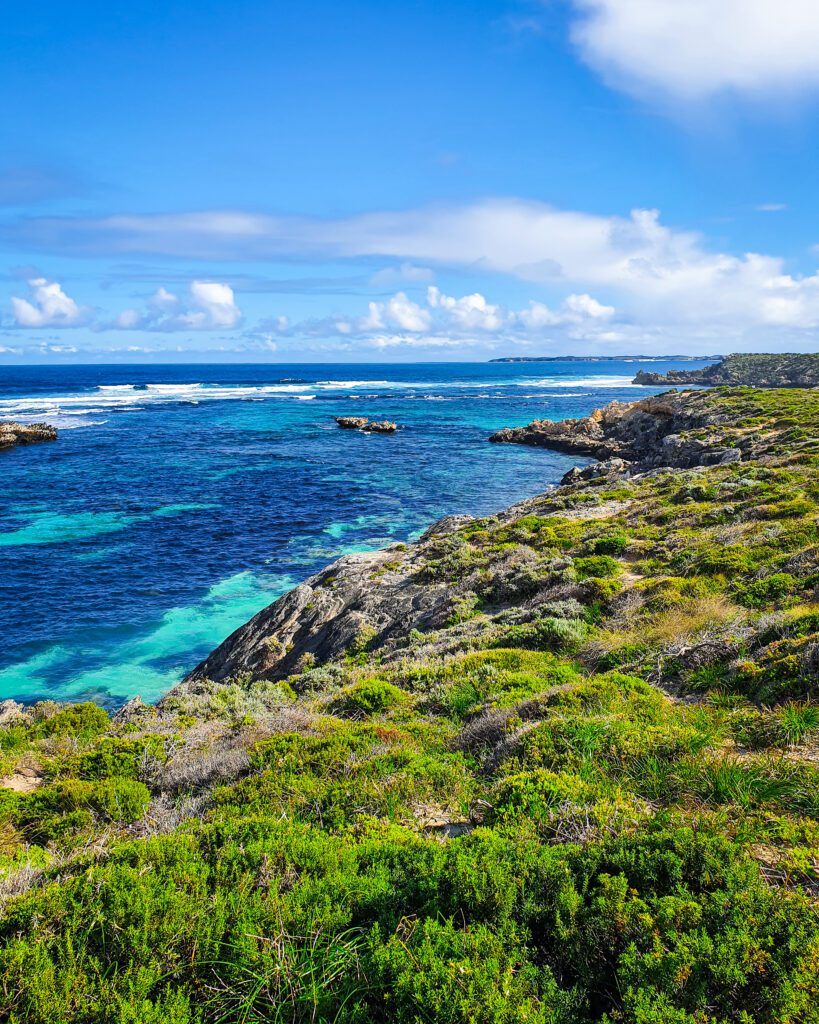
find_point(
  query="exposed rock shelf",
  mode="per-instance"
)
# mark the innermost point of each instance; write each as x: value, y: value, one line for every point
x: 785, y: 370
x: 653, y: 432
x: 12, y: 434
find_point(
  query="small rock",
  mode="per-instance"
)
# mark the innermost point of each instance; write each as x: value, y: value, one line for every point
x: 384, y: 427
x: 351, y: 422
x: 12, y: 434
x: 363, y: 423
x: 131, y: 710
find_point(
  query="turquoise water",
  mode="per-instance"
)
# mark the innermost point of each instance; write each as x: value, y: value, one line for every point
x: 180, y: 500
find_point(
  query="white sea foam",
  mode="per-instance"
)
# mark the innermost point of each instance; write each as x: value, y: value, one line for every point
x: 108, y: 398
x: 572, y: 382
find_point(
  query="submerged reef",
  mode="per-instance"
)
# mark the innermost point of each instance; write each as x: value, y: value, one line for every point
x: 556, y: 765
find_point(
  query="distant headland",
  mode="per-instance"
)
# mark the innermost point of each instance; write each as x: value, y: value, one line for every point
x: 758, y: 370
x: 602, y: 359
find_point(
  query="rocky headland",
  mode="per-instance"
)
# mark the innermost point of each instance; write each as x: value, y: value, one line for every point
x: 558, y: 764
x: 779, y: 370
x: 365, y: 425
x: 12, y: 434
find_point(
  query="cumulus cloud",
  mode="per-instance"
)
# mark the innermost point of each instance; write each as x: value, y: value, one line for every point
x: 467, y: 321
x: 692, y: 49
x: 575, y: 309
x: 658, y: 271
x: 209, y: 306
x: 662, y: 281
x: 397, y: 312
x: 49, y: 307
x: 470, y: 311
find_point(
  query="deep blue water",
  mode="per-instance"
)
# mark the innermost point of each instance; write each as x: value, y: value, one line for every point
x: 180, y: 500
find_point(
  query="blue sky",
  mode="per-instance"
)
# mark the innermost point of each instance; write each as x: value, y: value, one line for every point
x: 417, y: 180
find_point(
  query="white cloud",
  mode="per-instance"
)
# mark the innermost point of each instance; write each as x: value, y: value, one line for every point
x: 470, y: 311
x: 399, y: 312
x: 692, y: 49
x: 214, y: 306
x: 210, y: 306
x: 405, y: 272
x: 49, y: 307
x: 580, y: 306
x: 163, y: 300
x: 468, y: 322
x: 575, y: 309
x: 628, y: 279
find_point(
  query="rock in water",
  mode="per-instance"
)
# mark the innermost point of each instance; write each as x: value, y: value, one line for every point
x: 363, y: 423
x: 12, y: 434
x: 351, y: 422
x: 384, y: 427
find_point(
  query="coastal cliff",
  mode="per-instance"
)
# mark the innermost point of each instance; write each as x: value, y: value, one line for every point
x: 779, y: 370
x: 557, y: 764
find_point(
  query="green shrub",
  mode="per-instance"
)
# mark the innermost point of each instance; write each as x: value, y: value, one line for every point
x: 599, y: 566
x: 82, y: 721
x: 369, y: 697
x: 771, y: 588
x: 611, y: 544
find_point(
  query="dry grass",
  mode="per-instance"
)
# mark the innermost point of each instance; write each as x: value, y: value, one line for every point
x: 686, y: 622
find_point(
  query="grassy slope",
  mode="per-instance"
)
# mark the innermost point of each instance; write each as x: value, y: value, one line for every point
x: 600, y: 805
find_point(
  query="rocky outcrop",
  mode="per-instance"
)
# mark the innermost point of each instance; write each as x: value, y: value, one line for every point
x: 12, y: 434
x: 371, y: 597
x: 762, y: 370
x: 652, y: 432
x: 362, y: 423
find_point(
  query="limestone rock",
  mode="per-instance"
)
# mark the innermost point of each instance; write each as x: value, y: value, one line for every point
x: 12, y: 434
x: 364, y: 424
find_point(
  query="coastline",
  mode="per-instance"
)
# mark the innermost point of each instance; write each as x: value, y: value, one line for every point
x: 590, y: 714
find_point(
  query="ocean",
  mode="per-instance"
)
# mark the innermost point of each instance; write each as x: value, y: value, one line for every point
x: 180, y: 500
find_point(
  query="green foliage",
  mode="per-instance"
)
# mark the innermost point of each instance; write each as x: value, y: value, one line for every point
x: 611, y: 544
x: 369, y: 697
x: 82, y: 721
x: 599, y: 566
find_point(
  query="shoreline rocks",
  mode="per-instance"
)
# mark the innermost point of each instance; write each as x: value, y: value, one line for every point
x: 12, y: 434
x: 633, y: 436
x: 363, y: 424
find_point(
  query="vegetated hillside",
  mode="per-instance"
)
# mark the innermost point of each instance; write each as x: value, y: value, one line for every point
x: 580, y: 785
x: 758, y: 370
